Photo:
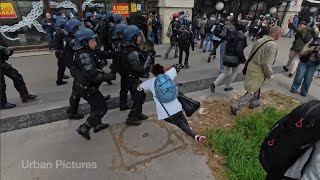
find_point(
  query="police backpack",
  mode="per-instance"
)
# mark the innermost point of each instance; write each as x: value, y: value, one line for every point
x: 289, y: 138
x: 165, y: 89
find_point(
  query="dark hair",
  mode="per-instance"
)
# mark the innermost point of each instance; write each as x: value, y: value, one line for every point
x: 157, y: 70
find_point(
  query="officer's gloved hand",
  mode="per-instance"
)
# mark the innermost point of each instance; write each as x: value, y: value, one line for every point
x: 178, y: 67
x: 109, y: 76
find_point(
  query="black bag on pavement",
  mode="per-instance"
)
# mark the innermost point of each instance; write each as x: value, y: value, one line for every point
x: 289, y: 138
x: 188, y: 105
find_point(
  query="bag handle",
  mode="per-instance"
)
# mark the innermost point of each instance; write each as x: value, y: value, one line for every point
x: 251, y: 57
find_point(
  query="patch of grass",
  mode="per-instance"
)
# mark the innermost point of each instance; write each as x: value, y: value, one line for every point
x: 240, y: 145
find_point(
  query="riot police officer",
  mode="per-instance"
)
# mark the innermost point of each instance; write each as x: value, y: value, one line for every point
x: 71, y: 26
x: 12, y: 73
x: 58, y: 44
x: 89, y: 78
x: 133, y: 66
x: 89, y: 21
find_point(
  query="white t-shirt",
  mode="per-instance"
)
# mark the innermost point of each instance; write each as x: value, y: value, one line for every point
x: 172, y: 107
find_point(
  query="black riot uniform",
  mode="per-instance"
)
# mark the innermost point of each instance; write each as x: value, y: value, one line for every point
x: 12, y: 73
x: 184, y: 42
x: 88, y: 79
x: 58, y: 44
x: 133, y: 65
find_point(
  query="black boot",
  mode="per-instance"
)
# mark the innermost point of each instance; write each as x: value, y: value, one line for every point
x: 28, y: 98
x: 7, y: 106
x: 59, y: 83
x: 124, y: 108
x: 84, y: 131
x: 100, y: 127
x: 142, y: 117
x: 76, y: 116
x: 65, y: 77
x: 133, y: 121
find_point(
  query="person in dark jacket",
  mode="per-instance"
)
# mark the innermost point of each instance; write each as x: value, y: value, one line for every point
x: 134, y: 66
x: 12, y: 73
x: 58, y: 44
x: 176, y: 25
x: 89, y: 78
x: 184, y: 42
x: 297, y: 45
x: 47, y: 24
x: 236, y: 43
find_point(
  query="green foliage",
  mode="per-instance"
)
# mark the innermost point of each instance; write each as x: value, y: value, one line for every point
x: 240, y: 145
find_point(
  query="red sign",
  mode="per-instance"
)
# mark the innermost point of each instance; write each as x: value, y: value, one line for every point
x: 121, y: 8
x: 7, y: 11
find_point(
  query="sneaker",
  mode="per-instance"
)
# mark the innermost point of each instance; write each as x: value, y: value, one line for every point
x: 233, y: 110
x: 133, y: 121
x: 228, y: 89
x: 199, y: 138
x: 285, y: 68
x: 290, y: 75
x: 75, y: 116
x: 213, y: 88
x: 7, y: 106
x: 28, y: 98
x: 59, y: 83
x: 100, y: 127
x: 293, y: 91
x: 84, y: 131
x: 142, y: 117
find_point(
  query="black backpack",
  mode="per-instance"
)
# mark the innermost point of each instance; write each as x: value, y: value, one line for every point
x: 289, y: 138
x: 218, y: 30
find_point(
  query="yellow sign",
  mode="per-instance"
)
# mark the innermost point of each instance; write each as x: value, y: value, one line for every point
x: 121, y: 8
x: 7, y: 11
x: 133, y: 7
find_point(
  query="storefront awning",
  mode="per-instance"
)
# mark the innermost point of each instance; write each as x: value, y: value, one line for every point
x: 314, y: 1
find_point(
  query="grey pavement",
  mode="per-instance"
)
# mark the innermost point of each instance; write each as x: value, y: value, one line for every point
x: 39, y: 70
x: 153, y: 151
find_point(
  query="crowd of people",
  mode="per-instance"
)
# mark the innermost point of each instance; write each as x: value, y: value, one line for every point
x: 83, y: 47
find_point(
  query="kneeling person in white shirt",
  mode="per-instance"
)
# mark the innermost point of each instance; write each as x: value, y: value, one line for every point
x: 173, y: 108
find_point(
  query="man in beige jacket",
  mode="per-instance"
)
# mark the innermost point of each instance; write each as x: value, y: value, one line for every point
x: 259, y: 69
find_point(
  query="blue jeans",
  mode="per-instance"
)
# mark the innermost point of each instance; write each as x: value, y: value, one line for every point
x: 49, y: 36
x: 305, y: 73
x: 150, y: 36
x: 222, y: 52
x: 158, y: 35
x: 290, y: 33
x: 209, y: 37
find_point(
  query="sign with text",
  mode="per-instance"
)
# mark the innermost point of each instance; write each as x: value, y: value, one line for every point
x: 133, y: 7
x: 121, y: 8
x: 7, y: 11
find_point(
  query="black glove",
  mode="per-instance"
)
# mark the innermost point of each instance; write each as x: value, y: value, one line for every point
x: 109, y: 76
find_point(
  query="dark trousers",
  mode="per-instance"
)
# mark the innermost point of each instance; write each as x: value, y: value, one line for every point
x: 215, y: 47
x: 61, y: 66
x: 180, y: 120
x: 138, y: 97
x: 186, y: 50
x: 124, y: 90
x: 12, y: 73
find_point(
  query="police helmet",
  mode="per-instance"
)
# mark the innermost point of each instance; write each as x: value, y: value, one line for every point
x: 109, y: 14
x: 82, y: 36
x: 117, y: 18
x: 60, y: 22
x: 99, y: 17
x: 130, y: 33
x: 119, y: 28
x: 72, y: 25
x: 88, y: 15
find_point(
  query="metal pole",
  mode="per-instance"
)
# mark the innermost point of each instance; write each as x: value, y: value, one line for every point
x: 285, y: 12
x: 255, y: 13
x: 79, y: 7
